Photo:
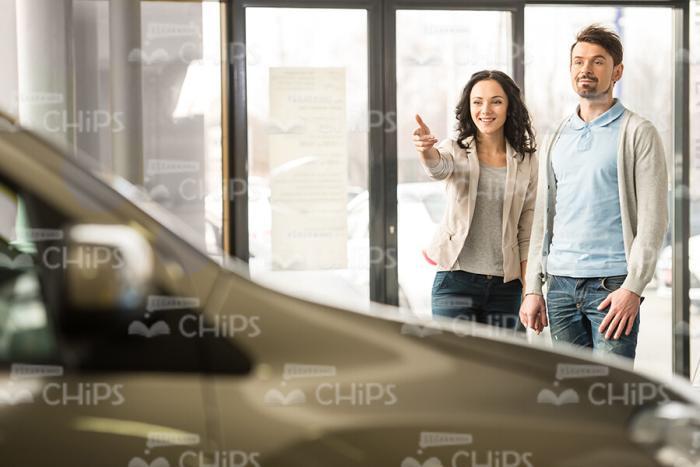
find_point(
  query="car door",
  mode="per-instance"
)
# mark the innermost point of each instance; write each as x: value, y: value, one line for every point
x: 127, y: 395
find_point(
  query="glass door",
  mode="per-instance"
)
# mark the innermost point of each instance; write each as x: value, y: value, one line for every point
x: 308, y: 201
x: 436, y: 53
x: 647, y: 88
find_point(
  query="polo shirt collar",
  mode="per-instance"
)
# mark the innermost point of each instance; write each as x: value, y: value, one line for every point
x: 610, y: 115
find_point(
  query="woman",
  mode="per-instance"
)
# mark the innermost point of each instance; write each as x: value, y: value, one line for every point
x: 481, y: 245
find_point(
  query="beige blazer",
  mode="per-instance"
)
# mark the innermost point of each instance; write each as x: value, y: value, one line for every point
x: 460, y: 169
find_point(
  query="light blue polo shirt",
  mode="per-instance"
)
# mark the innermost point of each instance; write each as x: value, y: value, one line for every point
x: 587, y: 236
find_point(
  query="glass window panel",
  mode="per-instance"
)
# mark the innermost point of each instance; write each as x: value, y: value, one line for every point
x: 436, y: 53
x: 646, y: 88
x: 307, y: 85
x: 694, y: 246
x: 59, y: 81
x: 9, y: 87
x: 182, y: 112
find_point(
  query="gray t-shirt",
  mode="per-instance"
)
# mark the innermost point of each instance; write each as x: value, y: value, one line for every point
x: 482, y: 251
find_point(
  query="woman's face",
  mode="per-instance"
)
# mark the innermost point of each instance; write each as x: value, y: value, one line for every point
x: 488, y: 103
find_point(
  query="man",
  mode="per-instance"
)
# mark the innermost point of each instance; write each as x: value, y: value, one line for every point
x: 601, y: 212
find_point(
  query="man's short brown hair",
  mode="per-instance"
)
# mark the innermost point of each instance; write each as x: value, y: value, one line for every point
x: 602, y: 36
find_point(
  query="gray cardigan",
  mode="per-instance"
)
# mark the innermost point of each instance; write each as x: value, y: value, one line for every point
x: 643, y: 186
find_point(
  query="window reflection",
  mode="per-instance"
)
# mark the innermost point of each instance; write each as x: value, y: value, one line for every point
x: 694, y: 242
x: 308, y: 152
x: 646, y: 88
x: 60, y: 81
x: 436, y: 53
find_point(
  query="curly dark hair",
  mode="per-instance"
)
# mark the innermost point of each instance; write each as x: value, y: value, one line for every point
x: 518, y: 127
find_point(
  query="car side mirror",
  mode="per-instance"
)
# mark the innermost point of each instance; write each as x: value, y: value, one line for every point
x: 671, y: 431
x: 108, y: 269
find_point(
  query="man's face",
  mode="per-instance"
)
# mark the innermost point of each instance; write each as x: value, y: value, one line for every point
x: 593, y: 72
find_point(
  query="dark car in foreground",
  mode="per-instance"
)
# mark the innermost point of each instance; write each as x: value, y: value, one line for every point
x: 122, y: 344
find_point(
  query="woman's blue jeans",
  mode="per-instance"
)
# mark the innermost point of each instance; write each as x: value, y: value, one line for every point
x: 477, y: 297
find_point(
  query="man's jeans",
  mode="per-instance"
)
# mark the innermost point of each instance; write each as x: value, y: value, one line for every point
x: 572, y: 305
